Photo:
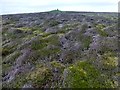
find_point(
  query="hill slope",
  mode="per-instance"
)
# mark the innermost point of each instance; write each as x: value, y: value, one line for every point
x: 60, y: 50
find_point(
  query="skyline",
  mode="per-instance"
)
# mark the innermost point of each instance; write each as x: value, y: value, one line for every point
x: 31, y: 6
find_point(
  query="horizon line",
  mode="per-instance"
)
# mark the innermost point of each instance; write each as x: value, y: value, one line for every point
x: 54, y: 9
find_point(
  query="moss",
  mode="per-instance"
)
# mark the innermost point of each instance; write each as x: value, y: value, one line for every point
x: 57, y: 65
x: 104, y: 49
x: 28, y: 37
x: 83, y: 28
x: 8, y: 61
x: 53, y: 39
x: 36, y: 45
x: 85, y: 75
x: 37, y: 30
x: 33, y: 59
x: 86, y: 40
x: 46, y: 34
x: 24, y: 29
x: 101, y: 31
x: 109, y: 61
x: 5, y: 69
x: 47, y: 52
x: 69, y: 57
x: 10, y: 21
x: 67, y: 28
x: 61, y: 32
x: 6, y: 51
x: 40, y: 77
x: 44, y: 42
x: 18, y: 82
x: 11, y: 35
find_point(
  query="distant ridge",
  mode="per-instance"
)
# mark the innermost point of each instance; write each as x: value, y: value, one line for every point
x: 59, y: 11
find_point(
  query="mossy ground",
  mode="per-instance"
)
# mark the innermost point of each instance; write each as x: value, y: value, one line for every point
x: 100, y: 30
x: 84, y: 75
x: 46, y: 53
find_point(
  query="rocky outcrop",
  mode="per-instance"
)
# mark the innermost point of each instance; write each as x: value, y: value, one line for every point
x: 17, y: 68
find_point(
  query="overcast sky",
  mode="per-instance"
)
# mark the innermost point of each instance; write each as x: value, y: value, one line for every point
x: 27, y: 6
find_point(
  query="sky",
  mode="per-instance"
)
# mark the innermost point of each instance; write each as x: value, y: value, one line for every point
x: 30, y: 6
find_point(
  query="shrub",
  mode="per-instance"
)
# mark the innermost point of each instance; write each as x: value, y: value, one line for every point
x: 6, y: 51
x: 17, y: 83
x: 47, y: 52
x: 53, y: 23
x: 57, y: 65
x: 86, y: 40
x: 53, y: 39
x: 36, y: 45
x: 40, y: 76
x: 8, y: 61
x: 83, y: 28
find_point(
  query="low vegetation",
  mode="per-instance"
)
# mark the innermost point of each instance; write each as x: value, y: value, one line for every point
x: 84, y: 75
x: 59, y: 49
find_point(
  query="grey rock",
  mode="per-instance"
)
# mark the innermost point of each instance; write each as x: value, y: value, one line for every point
x: 27, y: 86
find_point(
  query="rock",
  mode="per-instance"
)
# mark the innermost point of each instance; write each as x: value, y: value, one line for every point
x: 90, y: 32
x: 65, y: 74
x: 52, y: 30
x: 17, y: 67
x: 60, y: 26
x: 27, y: 86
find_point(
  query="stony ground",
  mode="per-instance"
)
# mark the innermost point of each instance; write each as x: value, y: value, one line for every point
x: 60, y: 50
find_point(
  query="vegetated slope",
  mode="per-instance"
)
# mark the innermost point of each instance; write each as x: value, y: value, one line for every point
x: 60, y: 50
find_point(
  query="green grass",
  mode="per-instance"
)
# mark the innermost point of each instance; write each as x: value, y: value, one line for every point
x: 109, y: 60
